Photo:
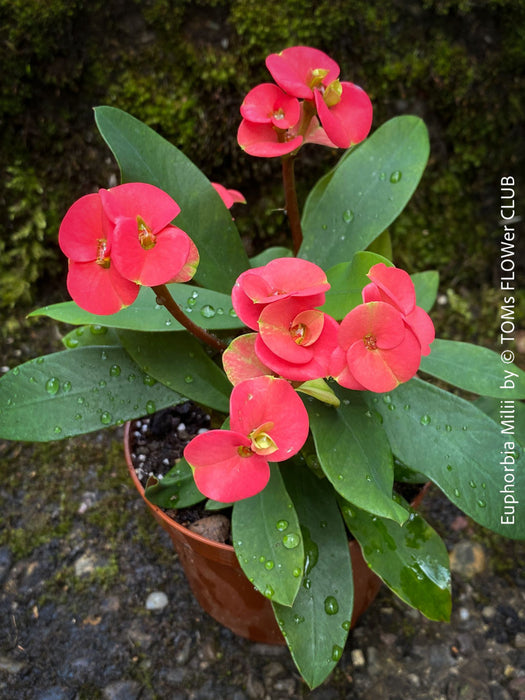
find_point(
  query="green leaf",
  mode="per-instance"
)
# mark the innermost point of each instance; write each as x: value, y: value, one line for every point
x: 144, y: 156
x: 411, y: 559
x: 270, y: 254
x: 512, y: 414
x: 474, y: 368
x: 382, y: 245
x: 354, y: 453
x: 90, y: 335
x: 316, y: 626
x: 365, y: 193
x: 347, y: 280
x: 267, y: 540
x: 180, y: 363
x: 426, y: 285
x: 176, y: 489
x: 208, y: 309
x: 76, y: 391
x: 459, y: 448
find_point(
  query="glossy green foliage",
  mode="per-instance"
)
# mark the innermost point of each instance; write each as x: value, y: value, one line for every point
x: 180, y: 362
x: 411, y: 558
x: 457, y: 446
x: 267, y: 539
x: 77, y: 391
x: 316, y: 626
x: 176, y: 489
x: 370, y: 186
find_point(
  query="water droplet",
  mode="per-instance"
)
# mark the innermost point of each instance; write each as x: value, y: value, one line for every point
x: 208, y: 311
x: 387, y: 399
x: 297, y: 572
x: 323, y: 523
x: 131, y: 378
x: 220, y: 311
x: 324, y: 227
x: 114, y: 371
x: 66, y: 386
x: 346, y: 625
x: 331, y: 606
x: 102, y: 383
x: 395, y: 177
x: 106, y: 418
x: 337, y: 652
x: 188, y: 379
x: 269, y: 565
x: 406, y: 407
x: 449, y: 467
x: 232, y: 313
x: 78, y: 416
x: 150, y: 407
x: 425, y: 420
x: 168, y: 322
x: 391, y: 407
x: 472, y: 484
x: 457, y: 493
x: 281, y: 525
x: 72, y: 342
x: 96, y: 329
x: 104, y: 355
x: 57, y: 430
x: 348, y: 216
x: 291, y: 540
x: 268, y: 592
x: 481, y: 503
x: 298, y: 619
x: 52, y: 386
x: 307, y: 583
x: 148, y: 380
x: 191, y: 301
x: 483, y: 485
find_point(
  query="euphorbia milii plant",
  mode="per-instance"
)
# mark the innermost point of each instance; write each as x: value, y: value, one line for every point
x: 317, y: 361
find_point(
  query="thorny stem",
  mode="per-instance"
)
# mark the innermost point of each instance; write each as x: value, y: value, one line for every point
x: 164, y: 297
x: 290, y: 198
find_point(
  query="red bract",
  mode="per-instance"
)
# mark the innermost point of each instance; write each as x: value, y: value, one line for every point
x: 229, y: 197
x: 345, y: 111
x: 394, y: 286
x: 268, y: 104
x: 295, y: 340
x: 265, y: 141
x: 381, y: 351
x: 146, y: 248
x: 275, y: 281
x: 268, y: 422
x: 240, y: 361
x: 300, y: 69
x: 85, y: 237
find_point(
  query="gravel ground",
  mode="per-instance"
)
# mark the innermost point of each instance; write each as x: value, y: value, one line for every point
x: 81, y: 557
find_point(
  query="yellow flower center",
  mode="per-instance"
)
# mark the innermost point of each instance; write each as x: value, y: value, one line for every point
x: 262, y: 442
x: 146, y: 236
x: 103, y: 253
x: 370, y: 342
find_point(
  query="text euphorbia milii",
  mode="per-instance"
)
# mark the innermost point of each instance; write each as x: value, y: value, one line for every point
x: 268, y: 423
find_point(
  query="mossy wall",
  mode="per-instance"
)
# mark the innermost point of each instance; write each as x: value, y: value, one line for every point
x: 184, y: 67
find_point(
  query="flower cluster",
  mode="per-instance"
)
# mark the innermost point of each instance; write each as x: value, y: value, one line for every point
x: 377, y: 346
x: 119, y: 239
x: 308, y: 103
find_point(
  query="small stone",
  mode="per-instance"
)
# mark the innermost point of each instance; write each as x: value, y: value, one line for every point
x: 358, y: 658
x: 255, y: 688
x: 488, y: 612
x: 519, y: 640
x: 467, y: 559
x: 86, y: 565
x: 156, y: 601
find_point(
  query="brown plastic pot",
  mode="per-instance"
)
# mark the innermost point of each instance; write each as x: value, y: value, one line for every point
x: 222, y: 589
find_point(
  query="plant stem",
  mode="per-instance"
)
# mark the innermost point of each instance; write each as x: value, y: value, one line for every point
x: 290, y: 198
x: 164, y: 297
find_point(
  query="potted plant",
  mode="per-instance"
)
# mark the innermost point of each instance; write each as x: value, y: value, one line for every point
x: 310, y: 358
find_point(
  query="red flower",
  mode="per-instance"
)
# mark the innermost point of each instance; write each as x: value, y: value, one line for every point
x: 277, y: 280
x: 229, y: 197
x: 86, y: 238
x: 380, y: 349
x: 295, y: 340
x: 394, y: 286
x: 146, y: 248
x: 268, y: 421
x: 268, y: 104
x: 265, y: 141
x: 344, y: 109
x: 240, y: 361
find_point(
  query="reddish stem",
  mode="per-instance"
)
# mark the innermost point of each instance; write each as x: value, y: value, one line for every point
x: 291, y: 204
x: 164, y: 297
